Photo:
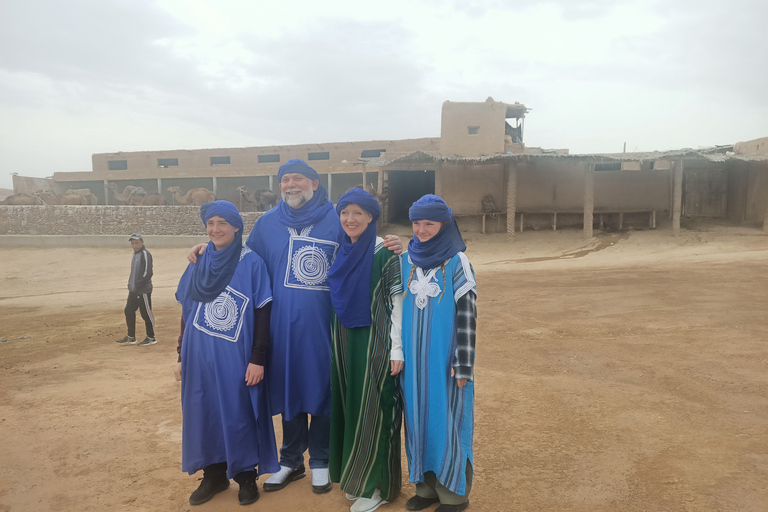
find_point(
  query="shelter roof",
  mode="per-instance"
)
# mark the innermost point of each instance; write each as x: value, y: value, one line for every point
x: 713, y: 154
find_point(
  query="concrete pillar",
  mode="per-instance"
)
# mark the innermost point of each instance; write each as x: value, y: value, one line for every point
x: 765, y: 220
x: 511, y: 199
x: 677, y: 194
x: 365, y: 178
x: 106, y: 192
x: 271, y: 183
x: 330, y: 186
x: 589, y: 199
x: 215, y: 185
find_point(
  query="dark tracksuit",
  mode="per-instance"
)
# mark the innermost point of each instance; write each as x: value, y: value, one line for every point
x: 140, y: 293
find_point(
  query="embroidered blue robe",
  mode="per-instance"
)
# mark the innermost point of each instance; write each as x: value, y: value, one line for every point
x: 225, y: 420
x: 298, y: 368
x: 439, y: 415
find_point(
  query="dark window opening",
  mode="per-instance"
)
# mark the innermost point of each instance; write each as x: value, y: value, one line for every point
x: 219, y: 160
x: 265, y: 159
x: 473, y: 130
x: 118, y: 165
x: 167, y: 162
x: 372, y: 153
x: 320, y: 155
x: 613, y: 166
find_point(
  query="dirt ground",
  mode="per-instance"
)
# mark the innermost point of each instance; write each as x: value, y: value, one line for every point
x: 629, y: 373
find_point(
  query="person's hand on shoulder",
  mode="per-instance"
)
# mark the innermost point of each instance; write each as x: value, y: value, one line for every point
x: 394, y: 244
x: 196, y: 251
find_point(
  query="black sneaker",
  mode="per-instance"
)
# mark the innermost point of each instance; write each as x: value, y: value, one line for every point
x: 130, y: 340
x: 149, y: 340
x: 248, y: 493
x: 209, y: 487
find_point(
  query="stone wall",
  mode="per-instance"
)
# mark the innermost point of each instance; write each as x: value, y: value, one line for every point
x: 106, y: 220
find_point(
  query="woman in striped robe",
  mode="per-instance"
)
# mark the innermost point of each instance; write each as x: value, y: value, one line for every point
x: 366, y: 354
x: 439, y: 318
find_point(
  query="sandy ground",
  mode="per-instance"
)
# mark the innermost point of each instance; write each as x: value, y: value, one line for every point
x: 624, y: 374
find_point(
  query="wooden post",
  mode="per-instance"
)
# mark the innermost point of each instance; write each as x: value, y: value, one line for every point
x: 765, y: 220
x: 271, y: 183
x: 215, y: 187
x: 159, y: 185
x: 106, y: 192
x: 439, y: 177
x: 678, y: 198
x: 330, y: 186
x: 511, y: 200
x: 589, y: 199
x: 380, y: 183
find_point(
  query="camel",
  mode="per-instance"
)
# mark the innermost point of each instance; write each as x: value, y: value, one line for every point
x: 48, y: 197
x: 85, y: 192
x: 22, y: 200
x: 153, y: 200
x: 195, y: 197
x: 127, y: 196
x: 263, y: 199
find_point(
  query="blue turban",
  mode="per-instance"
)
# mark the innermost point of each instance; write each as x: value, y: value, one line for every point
x: 313, y: 210
x: 214, y: 269
x: 350, y: 274
x: 445, y: 244
x: 297, y: 165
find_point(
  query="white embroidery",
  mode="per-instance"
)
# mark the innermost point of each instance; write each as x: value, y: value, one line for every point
x: 422, y: 287
x: 245, y: 250
x: 221, y: 314
x: 310, y: 265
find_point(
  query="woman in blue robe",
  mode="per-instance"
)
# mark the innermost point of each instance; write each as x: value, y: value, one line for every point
x: 226, y: 299
x: 438, y: 333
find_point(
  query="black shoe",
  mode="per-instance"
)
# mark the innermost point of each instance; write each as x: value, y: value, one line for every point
x: 420, y: 503
x: 149, y: 340
x: 129, y: 340
x: 249, y: 492
x: 209, y: 487
x: 452, y: 508
x: 295, y: 474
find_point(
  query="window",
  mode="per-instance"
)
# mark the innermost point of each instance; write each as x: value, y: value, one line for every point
x: 265, y: 159
x: 614, y: 166
x: 167, y: 162
x: 472, y: 130
x: 118, y: 165
x: 219, y: 160
x: 372, y: 153
x: 320, y: 155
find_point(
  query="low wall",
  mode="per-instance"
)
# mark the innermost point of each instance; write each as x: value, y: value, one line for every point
x: 107, y: 220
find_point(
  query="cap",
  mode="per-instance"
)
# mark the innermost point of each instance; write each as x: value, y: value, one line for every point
x: 135, y: 236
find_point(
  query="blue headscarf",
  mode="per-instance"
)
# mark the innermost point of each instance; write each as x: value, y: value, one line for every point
x: 313, y: 210
x: 350, y: 273
x: 214, y: 269
x: 445, y: 244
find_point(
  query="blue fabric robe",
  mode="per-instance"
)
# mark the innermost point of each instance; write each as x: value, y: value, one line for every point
x: 225, y: 420
x: 298, y: 368
x: 439, y: 415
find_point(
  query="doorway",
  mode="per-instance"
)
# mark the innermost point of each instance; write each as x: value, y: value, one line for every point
x: 405, y: 187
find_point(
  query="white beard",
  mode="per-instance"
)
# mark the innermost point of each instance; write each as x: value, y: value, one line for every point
x: 299, y: 200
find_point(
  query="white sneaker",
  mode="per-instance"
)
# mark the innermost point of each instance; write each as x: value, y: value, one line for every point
x: 351, y: 497
x: 283, y: 477
x: 368, y: 504
x: 321, y: 483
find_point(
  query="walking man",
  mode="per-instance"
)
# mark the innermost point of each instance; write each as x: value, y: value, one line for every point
x: 139, y: 294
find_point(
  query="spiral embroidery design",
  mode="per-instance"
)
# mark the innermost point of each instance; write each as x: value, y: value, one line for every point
x: 310, y: 265
x: 221, y: 314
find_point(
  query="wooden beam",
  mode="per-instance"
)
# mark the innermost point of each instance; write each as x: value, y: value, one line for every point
x: 677, y: 194
x: 589, y: 199
x: 511, y: 200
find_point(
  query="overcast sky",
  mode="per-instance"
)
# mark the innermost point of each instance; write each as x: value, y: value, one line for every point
x: 79, y: 77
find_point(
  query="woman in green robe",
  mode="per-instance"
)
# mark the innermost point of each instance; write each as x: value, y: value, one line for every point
x: 366, y: 355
